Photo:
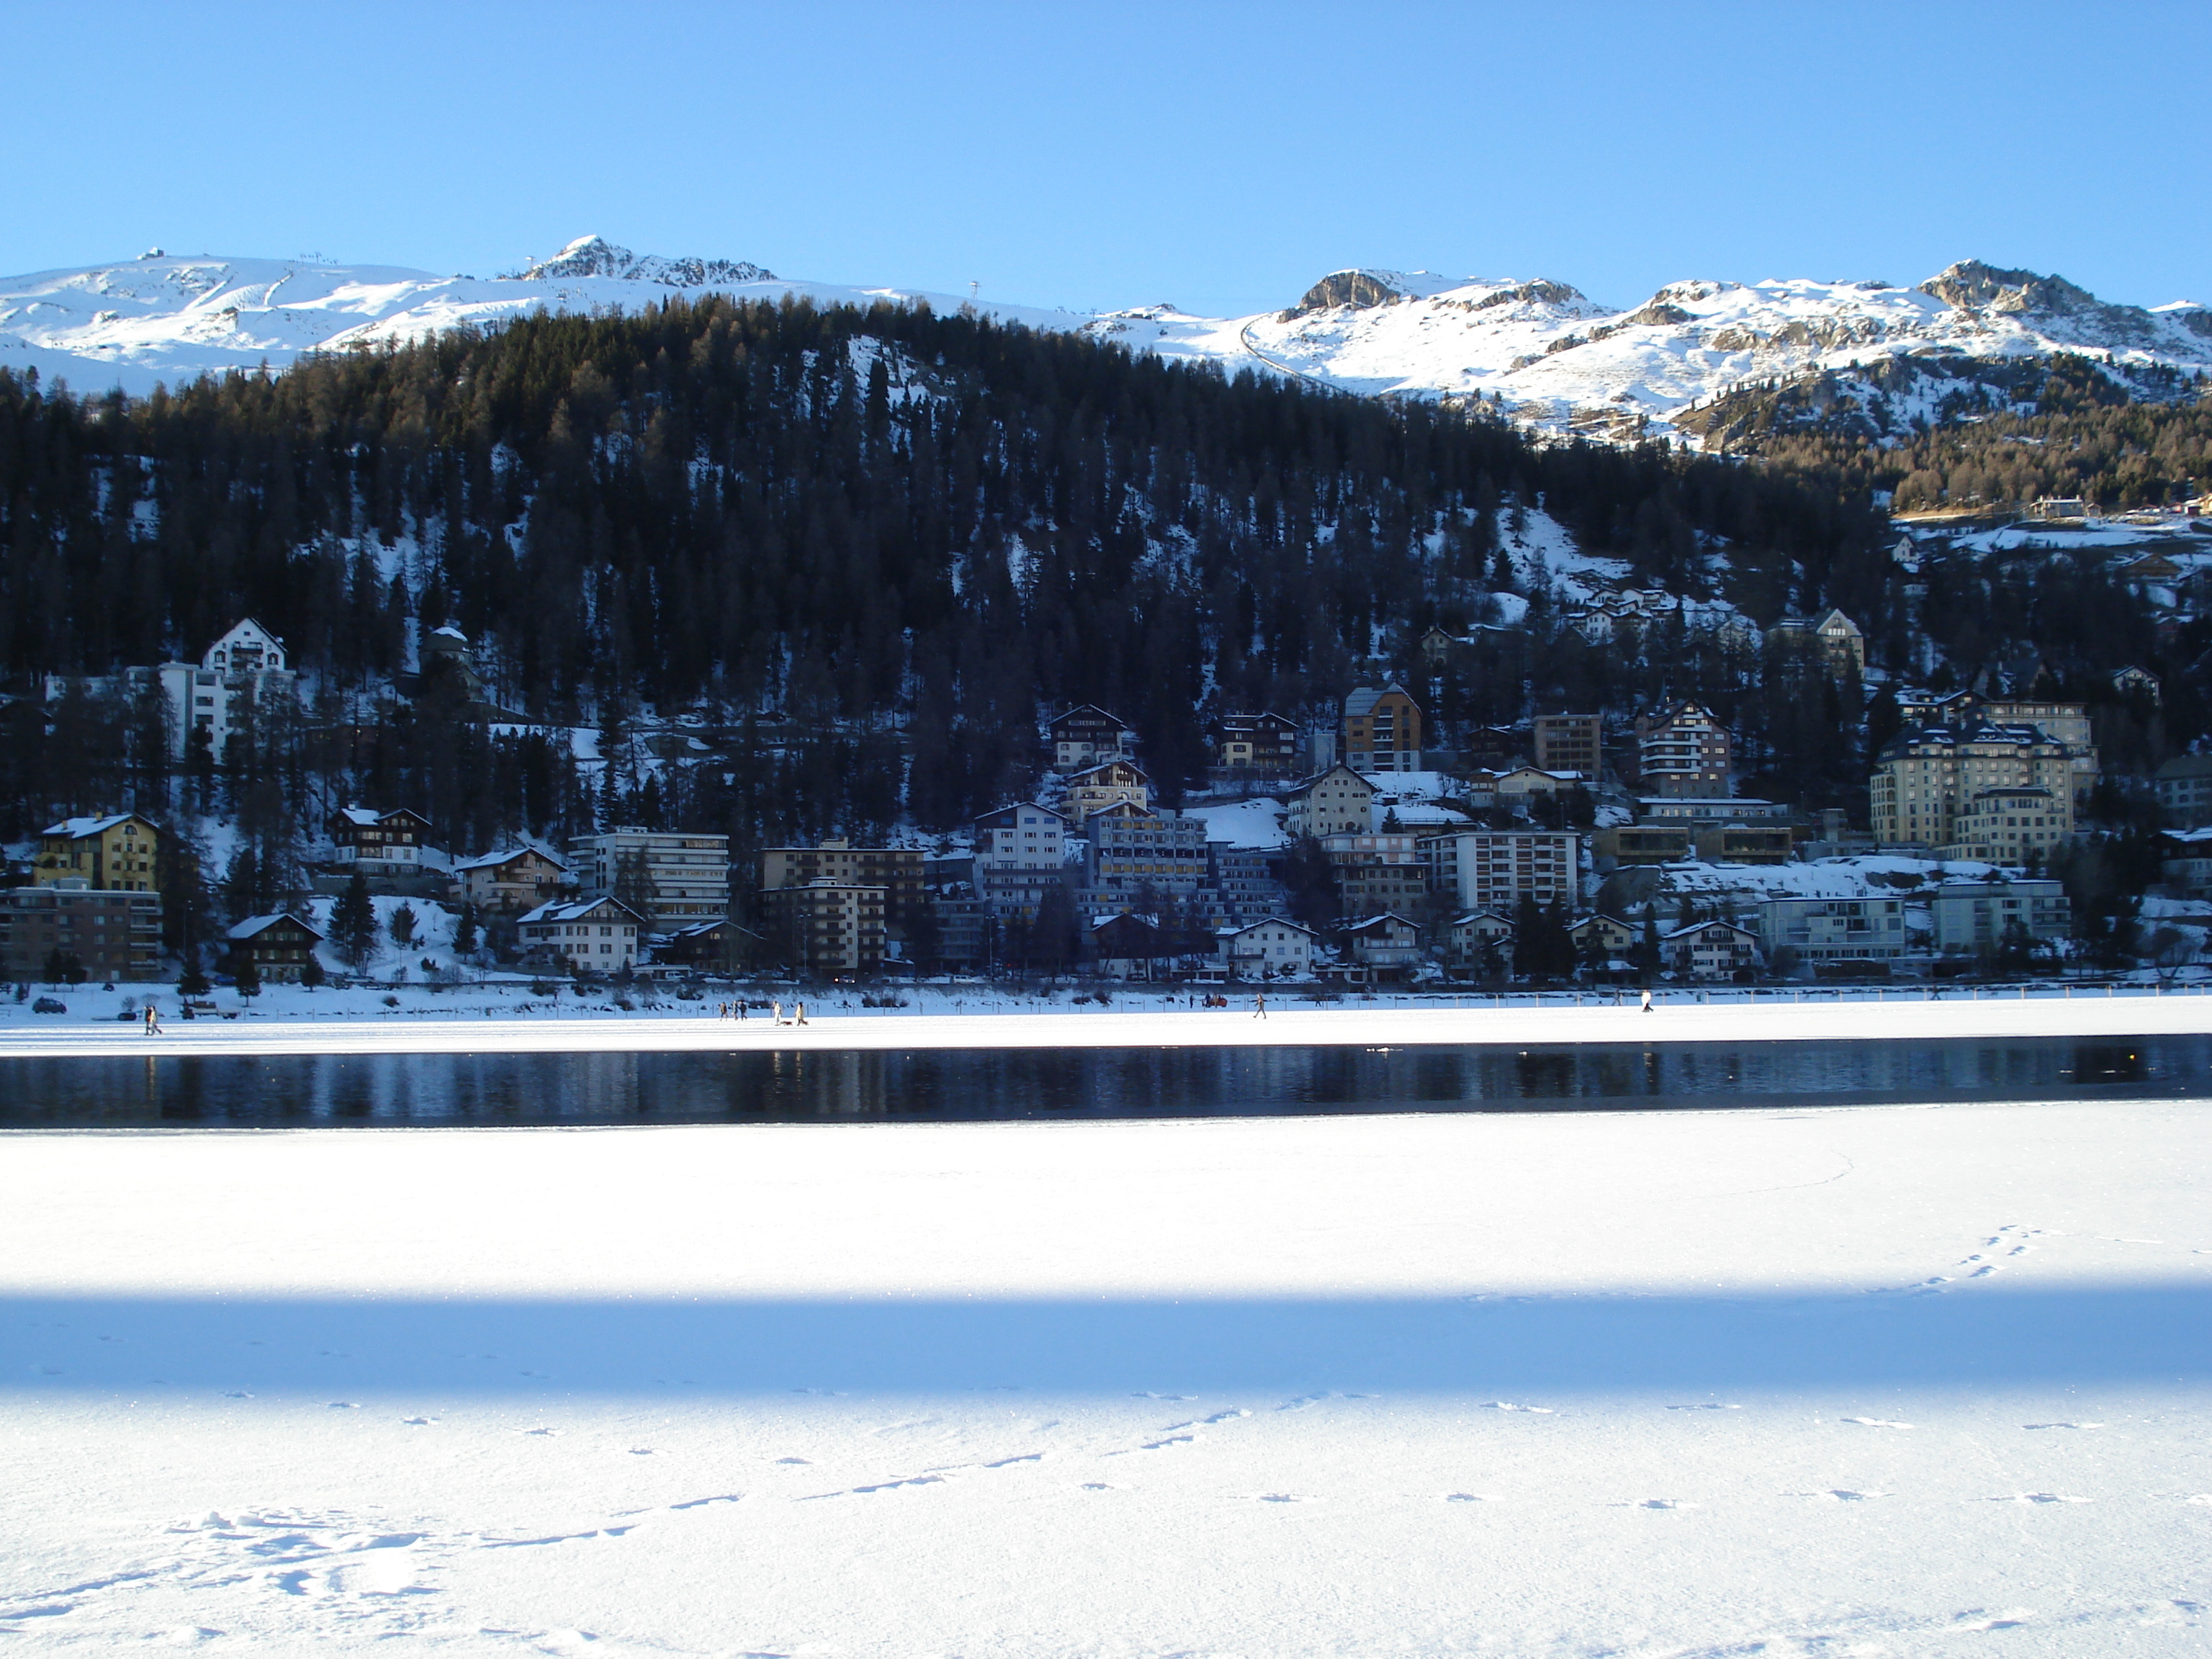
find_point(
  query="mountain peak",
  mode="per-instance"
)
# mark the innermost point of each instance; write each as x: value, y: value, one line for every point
x: 595, y: 256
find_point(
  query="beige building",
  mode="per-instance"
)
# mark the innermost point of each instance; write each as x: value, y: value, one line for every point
x: 1100, y: 787
x: 519, y: 878
x: 1337, y: 802
x: 897, y: 870
x: 826, y: 926
x: 2010, y: 825
x: 116, y: 853
x: 1382, y: 730
x: 1683, y: 751
x: 1925, y: 779
x: 2068, y: 722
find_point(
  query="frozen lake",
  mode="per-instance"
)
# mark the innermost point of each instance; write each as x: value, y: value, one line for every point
x: 560, y: 1086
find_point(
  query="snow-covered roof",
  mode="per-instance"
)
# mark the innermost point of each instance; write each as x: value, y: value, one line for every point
x: 78, y: 828
x: 573, y: 910
x: 1271, y: 921
x: 505, y: 856
x: 255, y: 925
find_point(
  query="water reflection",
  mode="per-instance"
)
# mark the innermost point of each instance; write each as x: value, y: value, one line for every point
x: 987, y: 1084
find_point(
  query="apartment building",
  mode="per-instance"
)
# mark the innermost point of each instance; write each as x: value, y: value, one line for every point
x: 1339, y: 801
x: 1129, y: 850
x: 1022, y: 837
x: 380, y: 843
x: 1088, y: 737
x: 1496, y: 869
x: 1832, y: 930
x: 2008, y: 826
x: 1382, y: 730
x: 670, y: 879
x: 1974, y: 915
x: 897, y: 870
x: 1569, y: 742
x: 1260, y: 949
x: 1097, y: 787
x: 1683, y: 751
x: 827, y: 926
x: 1262, y: 743
x: 1924, y: 780
x: 117, y: 853
x: 1378, y: 872
x: 2184, y: 791
x: 112, y: 935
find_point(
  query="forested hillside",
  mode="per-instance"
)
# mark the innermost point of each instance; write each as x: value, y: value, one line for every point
x: 865, y: 551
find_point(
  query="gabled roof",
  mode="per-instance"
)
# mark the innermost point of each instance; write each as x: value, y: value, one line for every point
x: 1707, y: 926
x: 1090, y: 709
x: 1339, y: 766
x: 1089, y: 771
x: 997, y: 812
x: 370, y: 818
x: 1271, y: 921
x: 493, y: 860
x: 1362, y: 926
x: 79, y: 829
x: 1363, y: 701
x: 254, y: 925
x: 575, y: 910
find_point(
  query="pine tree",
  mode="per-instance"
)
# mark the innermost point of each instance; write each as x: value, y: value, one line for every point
x: 353, y: 923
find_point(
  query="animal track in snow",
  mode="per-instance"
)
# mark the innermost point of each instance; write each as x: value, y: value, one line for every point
x: 1472, y: 1498
x: 1874, y: 1423
x: 2038, y: 1497
x: 1837, y: 1495
x: 2062, y: 1425
x: 1280, y: 1497
x: 1656, y: 1503
x: 1230, y: 1416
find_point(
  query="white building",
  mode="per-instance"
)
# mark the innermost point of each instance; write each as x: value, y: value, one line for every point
x: 243, y: 670
x: 1023, y: 836
x: 1272, y: 947
x: 1834, y: 930
x: 674, y: 878
x: 598, y: 935
x: 1974, y: 915
x: 1496, y: 869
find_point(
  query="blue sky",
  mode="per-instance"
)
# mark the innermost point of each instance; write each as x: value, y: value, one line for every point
x: 1220, y: 156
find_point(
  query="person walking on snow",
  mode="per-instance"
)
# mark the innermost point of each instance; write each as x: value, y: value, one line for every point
x: 775, y: 1009
x: 153, y: 1020
x: 1647, y: 998
x: 1259, y: 1005
x: 799, y: 1014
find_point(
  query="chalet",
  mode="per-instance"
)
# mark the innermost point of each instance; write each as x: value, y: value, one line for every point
x: 1603, y: 936
x: 1337, y: 802
x: 2151, y: 570
x: 710, y: 947
x: 1521, y: 782
x: 1087, y: 737
x: 278, y: 945
x: 1271, y: 947
x: 1709, y: 950
x: 1832, y: 634
x: 1127, y: 946
x: 1266, y: 742
x: 597, y: 935
x: 515, y: 879
x: 2131, y: 681
x: 1480, y: 937
x: 1097, y: 787
x: 380, y: 843
x: 1386, y: 944
x: 116, y: 853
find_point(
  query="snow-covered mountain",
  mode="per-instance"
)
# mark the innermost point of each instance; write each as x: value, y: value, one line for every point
x: 1554, y: 358
x: 166, y: 318
x: 1545, y: 352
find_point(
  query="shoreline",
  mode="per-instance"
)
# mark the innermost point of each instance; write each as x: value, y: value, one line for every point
x: 2181, y: 1013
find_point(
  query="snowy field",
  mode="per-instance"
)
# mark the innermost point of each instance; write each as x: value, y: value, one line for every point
x: 1871, y: 1381
x: 456, y: 1024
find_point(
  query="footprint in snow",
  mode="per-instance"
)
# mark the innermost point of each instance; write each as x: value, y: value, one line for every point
x: 2038, y: 1497
x: 418, y: 1422
x: 345, y: 1405
x: 1875, y: 1423
x: 1281, y: 1498
x: 1472, y: 1498
x: 2062, y: 1425
x: 1705, y: 1405
x: 803, y: 1462
x: 1837, y: 1495
x: 543, y: 1434
x: 1656, y: 1503
x: 1507, y: 1406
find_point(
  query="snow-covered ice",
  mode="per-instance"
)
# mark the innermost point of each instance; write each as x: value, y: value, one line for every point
x: 1896, y: 1381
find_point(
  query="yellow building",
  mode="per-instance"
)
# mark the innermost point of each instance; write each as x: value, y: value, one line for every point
x: 2010, y: 825
x: 114, y: 854
x: 1926, y: 781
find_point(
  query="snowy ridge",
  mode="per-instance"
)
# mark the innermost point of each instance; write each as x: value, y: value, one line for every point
x: 1543, y: 351
x: 164, y: 318
x: 1554, y: 358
